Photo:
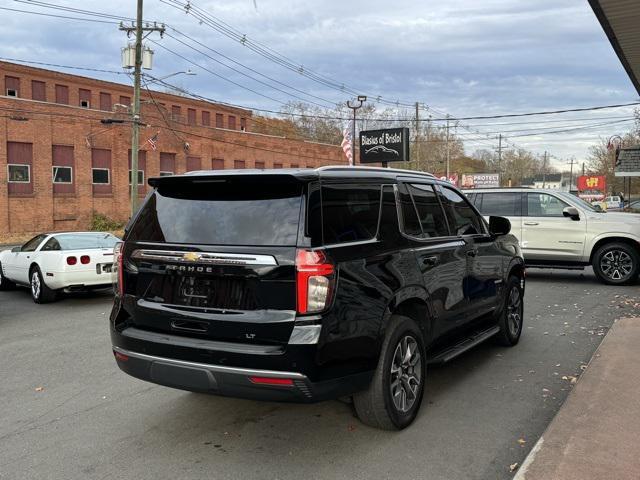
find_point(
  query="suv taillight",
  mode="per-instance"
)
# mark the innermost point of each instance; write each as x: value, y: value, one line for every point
x: 117, y: 263
x: 315, y: 276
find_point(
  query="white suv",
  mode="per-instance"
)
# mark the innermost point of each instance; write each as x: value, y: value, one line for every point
x: 560, y: 230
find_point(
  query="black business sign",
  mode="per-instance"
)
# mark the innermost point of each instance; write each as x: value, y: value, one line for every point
x: 388, y: 145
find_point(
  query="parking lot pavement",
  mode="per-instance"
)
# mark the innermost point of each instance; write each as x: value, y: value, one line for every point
x: 69, y: 413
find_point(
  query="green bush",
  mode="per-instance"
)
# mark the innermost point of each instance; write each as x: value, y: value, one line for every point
x: 102, y: 223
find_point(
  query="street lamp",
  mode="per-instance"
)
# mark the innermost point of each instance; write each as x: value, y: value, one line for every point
x: 185, y: 72
x: 361, y: 99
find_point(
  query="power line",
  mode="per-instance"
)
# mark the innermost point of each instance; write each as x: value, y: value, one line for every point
x: 65, y: 17
x: 71, y: 67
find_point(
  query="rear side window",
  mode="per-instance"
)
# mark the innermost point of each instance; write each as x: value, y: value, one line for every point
x: 350, y: 213
x: 410, y: 222
x: 463, y: 220
x: 501, y: 204
x: 430, y: 212
x: 221, y: 212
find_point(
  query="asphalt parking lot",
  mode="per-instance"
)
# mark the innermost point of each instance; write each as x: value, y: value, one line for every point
x: 69, y: 413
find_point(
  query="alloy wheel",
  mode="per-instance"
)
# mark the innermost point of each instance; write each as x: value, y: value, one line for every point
x: 616, y: 265
x: 514, y: 311
x: 406, y: 374
x: 35, y: 285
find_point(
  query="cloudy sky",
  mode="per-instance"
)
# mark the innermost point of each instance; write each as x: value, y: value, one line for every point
x: 462, y: 57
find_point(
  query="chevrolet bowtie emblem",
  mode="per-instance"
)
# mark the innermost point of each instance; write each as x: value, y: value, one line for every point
x: 191, y: 257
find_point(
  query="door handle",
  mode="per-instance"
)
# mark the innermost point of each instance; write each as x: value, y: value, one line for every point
x: 472, y: 253
x: 531, y: 223
x: 430, y: 261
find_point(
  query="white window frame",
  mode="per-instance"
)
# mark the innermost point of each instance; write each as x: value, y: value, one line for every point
x: 53, y: 174
x: 88, y: 104
x: 139, y: 172
x: 9, y: 165
x: 166, y: 173
x: 15, y: 92
x: 108, y: 176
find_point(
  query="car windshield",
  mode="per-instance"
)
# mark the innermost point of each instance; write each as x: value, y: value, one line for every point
x: 582, y: 203
x: 83, y: 241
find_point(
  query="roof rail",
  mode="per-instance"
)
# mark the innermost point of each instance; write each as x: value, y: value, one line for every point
x: 376, y: 169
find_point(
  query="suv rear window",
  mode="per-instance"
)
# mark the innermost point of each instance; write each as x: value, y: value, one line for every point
x: 350, y: 212
x: 221, y: 213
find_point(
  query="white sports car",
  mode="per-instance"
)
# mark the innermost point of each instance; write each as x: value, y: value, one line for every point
x: 51, y: 263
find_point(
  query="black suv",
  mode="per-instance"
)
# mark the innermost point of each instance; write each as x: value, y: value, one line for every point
x: 305, y: 285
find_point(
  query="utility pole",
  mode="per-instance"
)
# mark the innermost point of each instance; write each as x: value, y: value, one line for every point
x: 572, y: 163
x: 499, y: 158
x: 448, y: 147
x: 354, y: 107
x: 135, y: 113
x: 417, y: 137
x: 544, y: 170
x: 583, y: 169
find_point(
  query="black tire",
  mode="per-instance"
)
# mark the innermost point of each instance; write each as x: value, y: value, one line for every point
x: 5, y: 283
x: 376, y: 406
x: 512, y: 314
x: 616, y: 263
x: 40, y: 293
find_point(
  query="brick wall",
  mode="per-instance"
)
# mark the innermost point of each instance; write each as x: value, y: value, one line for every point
x: 44, y: 124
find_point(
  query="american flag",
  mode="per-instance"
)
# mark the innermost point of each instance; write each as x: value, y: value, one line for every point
x: 153, y: 141
x: 347, y: 144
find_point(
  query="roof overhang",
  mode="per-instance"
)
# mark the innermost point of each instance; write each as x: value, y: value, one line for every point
x: 620, y: 20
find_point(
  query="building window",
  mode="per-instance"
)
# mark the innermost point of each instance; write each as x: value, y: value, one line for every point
x: 277, y: 165
x: 19, y: 161
x: 175, y: 113
x: 243, y: 124
x: 165, y: 174
x: 62, y: 168
x: 38, y: 91
x: 62, y: 94
x: 124, y: 100
x: 219, y: 120
x: 206, y: 118
x: 167, y: 162
x: 232, y: 122
x: 191, y: 116
x: 62, y: 175
x: 295, y: 165
x: 259, y: 165
x: 85, y: 98
x: 140, y: 177
x: 217, y: 164
x: 105, y: 101
x: 101, y: 171
x: 11, y: 86
x: 238, y: 164
x: 193, y: 164
x: 100, y: 176
x: 19, y: 173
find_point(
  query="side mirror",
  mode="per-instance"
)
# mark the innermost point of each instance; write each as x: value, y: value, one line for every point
x: 571, y: 212
x: 499, y: 226
x: 16, y: 249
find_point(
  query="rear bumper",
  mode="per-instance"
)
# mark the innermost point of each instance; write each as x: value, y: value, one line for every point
x: 233, y: 381
x: 78, y: 279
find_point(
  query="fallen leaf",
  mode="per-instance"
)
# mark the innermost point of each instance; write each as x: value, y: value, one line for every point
x: 513, y: 467
x: 351, y: 428
x: 522, y: 441
x: 39, y: 389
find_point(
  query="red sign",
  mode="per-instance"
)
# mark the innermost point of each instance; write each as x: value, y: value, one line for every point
x: 592, y: 182
x: 453, y: 177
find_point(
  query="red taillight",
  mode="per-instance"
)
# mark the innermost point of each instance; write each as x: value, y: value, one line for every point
x: 72, y: 260
x: 84, y: 259
x: 272, y: 381
x: 120, y: 356
x: 118, y: 264
x: 314, y: 280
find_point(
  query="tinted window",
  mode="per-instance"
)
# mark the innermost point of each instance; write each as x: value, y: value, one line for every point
x: 32, y: 244
x: 544, y: 205
x: 429, y: 210
x: 501, y: 204
x: 410, y: 222
x: 350, y: 213
x: 85, y: 241
x: 463, y: 220
x: 231, y: 212
x: 52, y: 244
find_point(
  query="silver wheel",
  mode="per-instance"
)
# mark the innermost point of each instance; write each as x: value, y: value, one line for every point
x: 514, y: 311
x: 616, y: 265
x: 35, y: 284
x: 406, y: 374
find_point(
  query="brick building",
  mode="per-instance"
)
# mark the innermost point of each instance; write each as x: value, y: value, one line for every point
x: 65, y: 146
